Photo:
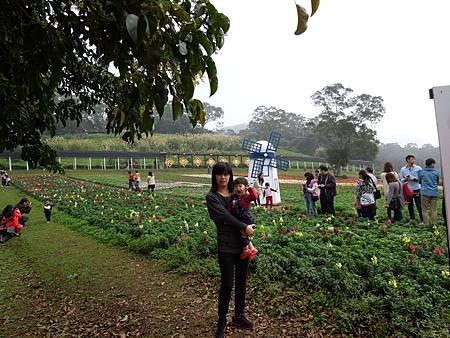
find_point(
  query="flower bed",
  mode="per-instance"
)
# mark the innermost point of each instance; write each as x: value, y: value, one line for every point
x: 358, y: 277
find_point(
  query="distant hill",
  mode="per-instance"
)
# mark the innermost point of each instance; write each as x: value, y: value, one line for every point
x: 236, y: 127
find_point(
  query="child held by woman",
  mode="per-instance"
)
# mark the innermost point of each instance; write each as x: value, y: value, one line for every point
x: 241, y: 200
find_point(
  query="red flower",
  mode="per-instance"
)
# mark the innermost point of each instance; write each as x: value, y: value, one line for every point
x: 336, y: 231
x: 438, y: 250
x: 324, y: 232
x: 411, y: 248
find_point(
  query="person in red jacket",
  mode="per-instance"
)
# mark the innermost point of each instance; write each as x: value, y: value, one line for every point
x: 10, y: 225
x: 241, y: 199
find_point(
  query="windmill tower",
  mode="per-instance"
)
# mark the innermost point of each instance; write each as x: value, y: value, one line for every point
x: 263, y: 159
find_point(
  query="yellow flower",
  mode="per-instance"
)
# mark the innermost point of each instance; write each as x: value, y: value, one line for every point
x: 141, y: 226
x: 445, y: 273
x: 338, y: 265
x: 374, y: 260
x: 393, y: 282
x: 406, y: 239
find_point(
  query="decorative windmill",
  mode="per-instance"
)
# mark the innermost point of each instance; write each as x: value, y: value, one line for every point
x: 263, y: 159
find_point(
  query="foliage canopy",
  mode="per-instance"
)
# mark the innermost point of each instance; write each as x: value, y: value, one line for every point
x: 57, y: 59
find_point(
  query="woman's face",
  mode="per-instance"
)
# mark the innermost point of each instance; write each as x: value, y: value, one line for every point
x: 222, y: 180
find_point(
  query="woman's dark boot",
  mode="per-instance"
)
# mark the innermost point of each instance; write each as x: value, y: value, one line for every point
x: 241, y: 322
x: 221, y: 329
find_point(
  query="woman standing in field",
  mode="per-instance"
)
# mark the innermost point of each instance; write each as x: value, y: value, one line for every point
x: 233, y: 270
x: 258, y: 185
x: 388, y: 168
x: 365, y: 198
x: 394, y: 198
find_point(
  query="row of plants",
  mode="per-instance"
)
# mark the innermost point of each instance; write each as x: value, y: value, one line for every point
x: 361, y: 277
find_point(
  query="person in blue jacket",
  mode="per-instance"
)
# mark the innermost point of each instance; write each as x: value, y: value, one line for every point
x: 429, y: 183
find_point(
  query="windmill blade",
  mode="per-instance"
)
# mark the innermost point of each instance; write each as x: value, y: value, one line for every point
x: 258, y: 165
x: 251, y: 146
x: 279, y: 163
x: 274, y: 141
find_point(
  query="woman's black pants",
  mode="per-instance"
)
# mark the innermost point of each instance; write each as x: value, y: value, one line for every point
x: 232, y: 269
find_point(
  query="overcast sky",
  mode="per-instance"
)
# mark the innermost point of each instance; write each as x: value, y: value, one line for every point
x: 396, y: 49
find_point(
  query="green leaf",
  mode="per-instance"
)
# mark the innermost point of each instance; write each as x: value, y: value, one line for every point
x: 224, y: 22
x: 177, y: 109
x: 314, y: 6
x: 219, y: 39
x: 187, y: 85
x: 212, y: 75
x: 132, y: 24
x: 142, y: 28
x: 148, y: 121
x: 204, y: 41
x: 213, y: 85
x: 180, y: 13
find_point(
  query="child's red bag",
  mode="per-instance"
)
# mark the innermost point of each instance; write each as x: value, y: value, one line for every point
x: 407, y: 193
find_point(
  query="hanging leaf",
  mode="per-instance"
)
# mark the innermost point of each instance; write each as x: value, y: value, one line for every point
x: 132, y: 23
x: 212, y: 75
x: 302, y: 17
x: 314, y: 6
x: 177, y: 109
x: 188, y: 85
x: 142, y: 29
x: 206, y: 44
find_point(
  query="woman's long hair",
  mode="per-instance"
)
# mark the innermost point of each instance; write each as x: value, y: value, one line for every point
x: 260, y: 178
x: 8, y: 211
x: 388, y: 167
x: 218, y: 169
x: 309, y: 177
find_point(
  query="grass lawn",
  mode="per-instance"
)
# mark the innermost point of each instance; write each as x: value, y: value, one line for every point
x: 57, y: 282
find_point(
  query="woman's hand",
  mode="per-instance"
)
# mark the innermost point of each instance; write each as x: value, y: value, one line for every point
x: 250, y: 229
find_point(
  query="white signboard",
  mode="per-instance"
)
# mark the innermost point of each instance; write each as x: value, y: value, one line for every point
x: 441, y: 96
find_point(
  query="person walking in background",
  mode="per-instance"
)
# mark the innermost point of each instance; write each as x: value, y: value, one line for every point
x: 151, y: 182
x: 130, y: 180
x: 137, y: 180
x: 233, y: 269
x: 429, y: 191
x: 394, y: 198
x: 388, y: 168
x: 311, y: 194
x: 369, y: 171
x: 258, y: 185
x: 409, y: 175
x: 365, y: 196
x: 48, y: 206
x: 327, y: 185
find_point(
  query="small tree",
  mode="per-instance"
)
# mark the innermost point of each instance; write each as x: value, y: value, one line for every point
x: 345, y: 123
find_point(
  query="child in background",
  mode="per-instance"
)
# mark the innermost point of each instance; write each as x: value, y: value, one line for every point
x: 130, y: 180
x: 9, y: 225
x: 137, y: 181
x: 267, y: 193
x: 151, y: 181
x: 241, y: 200
x: 48, y: 205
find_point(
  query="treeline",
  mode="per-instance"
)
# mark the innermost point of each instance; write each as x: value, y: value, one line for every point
x: 188, y: 143
x: 344, y: 130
